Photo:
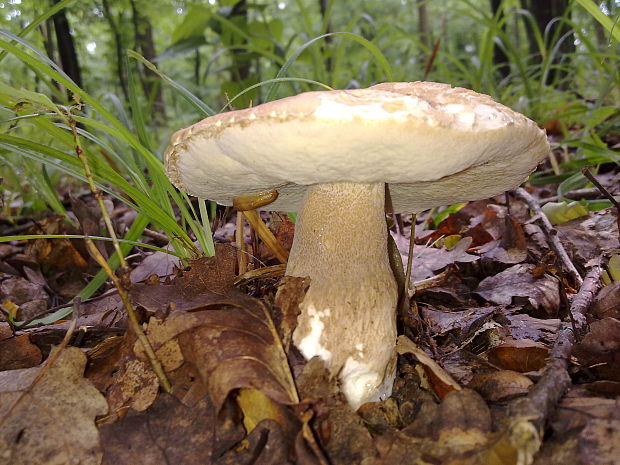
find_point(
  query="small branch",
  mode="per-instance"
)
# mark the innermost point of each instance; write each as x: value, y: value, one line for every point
x: 120, y: 285
x: 410, y: 256
x: 242, y: 259
x: 135, y: 324
x: 552, y: 234
x: 605, y: 192
x: 266, y: 235
x: 532, y: 412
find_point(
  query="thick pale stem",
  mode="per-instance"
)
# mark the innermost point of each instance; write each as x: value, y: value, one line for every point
x: 348, y: 315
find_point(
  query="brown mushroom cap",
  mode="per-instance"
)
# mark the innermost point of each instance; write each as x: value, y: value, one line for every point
x: 432, y: 143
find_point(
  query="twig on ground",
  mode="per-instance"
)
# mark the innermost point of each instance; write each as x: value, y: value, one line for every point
x: 242, y: 259
x: 135, y: 324
x: 101, y: 261
x: 586, y: 193
x: 410, y: 257
x: 605, y: 192
x: 160, y: 239
x: 531, y: 413
x: 266, y: 235
x: 552, y: 234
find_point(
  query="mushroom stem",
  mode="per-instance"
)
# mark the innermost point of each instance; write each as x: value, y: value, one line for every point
x: 348, y: 316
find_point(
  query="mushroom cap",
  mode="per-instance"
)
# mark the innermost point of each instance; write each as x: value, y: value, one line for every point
x: 432, y: 143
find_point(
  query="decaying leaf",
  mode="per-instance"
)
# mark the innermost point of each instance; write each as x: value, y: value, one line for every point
x: 501, y: 385
x: 235, y: 345
x: 428, y: 260
x: 441, y: 382
x: 18, y: 352
x: 520, y: 355
x: 600, y: 348
x: 463, y: 421
x: 170, y: 432
x: 50, y: 422
x: 542, y: 293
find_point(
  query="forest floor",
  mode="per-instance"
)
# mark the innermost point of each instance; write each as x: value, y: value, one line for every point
x: 509, y: 348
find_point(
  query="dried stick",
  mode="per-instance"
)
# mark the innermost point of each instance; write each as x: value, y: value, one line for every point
x: 242, y: 259
x: 266, y: 235
x: 605, y: 192
x: 552, y: 234
x: 531, y: 412
x: 94, y: 252
x: 135, y: 324
x: 410, y: 256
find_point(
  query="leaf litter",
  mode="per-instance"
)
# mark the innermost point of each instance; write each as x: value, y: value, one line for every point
x: 243, y: 394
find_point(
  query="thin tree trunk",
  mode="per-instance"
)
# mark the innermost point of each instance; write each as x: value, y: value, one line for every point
x: 66, y: 47
x: 118, y: 44
x: 241, y: 63
x: 423, y: 27
x: 143, y: 33
x: 499, y: 55
x: 544, y: 12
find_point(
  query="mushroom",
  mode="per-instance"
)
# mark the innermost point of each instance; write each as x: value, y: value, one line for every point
x: 331, y: 155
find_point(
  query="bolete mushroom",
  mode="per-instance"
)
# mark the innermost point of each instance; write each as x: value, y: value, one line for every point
x: 330, y: 155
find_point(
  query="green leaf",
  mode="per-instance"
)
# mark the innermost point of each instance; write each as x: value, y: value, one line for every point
x: 600, y: 115
x: 561, y: 212
x: 609, y: 25
x: 194, y: 24
x: 613, y: 267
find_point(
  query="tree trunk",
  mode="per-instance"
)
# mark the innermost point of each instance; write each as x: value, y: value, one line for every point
x: 144, y: 42
x: 423, y: 28
x: 118, y: 44
x: 544, y: 12
x: 66, y: 47
x: 500, y: 59
x: 241, y: 62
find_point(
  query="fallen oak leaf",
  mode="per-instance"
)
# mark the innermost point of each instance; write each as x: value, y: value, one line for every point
x: 236, y: 346
x: 43, y: 428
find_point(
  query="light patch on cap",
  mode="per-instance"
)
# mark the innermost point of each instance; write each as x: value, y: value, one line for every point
x: 359, y: 382
x: 310, y: 345
x: 397, y: 109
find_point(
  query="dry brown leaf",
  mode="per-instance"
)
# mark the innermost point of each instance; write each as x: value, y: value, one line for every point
x: 600, y: 349
x: 291, y: 292
x: 209, y: 278
x: 502, y: 385
x: 18, y: 352
x: 463, y: 421
x: 439, y: 379
x: 169, y: 432
x: 235, y: 345
x: 135, y: 386
x: 54, y: 422
x: 599, y: 442
x: 266, y: 445
x: 520, y: 355
x: 428, y: 260
x: 542, y: 293
x: 607, y: 302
